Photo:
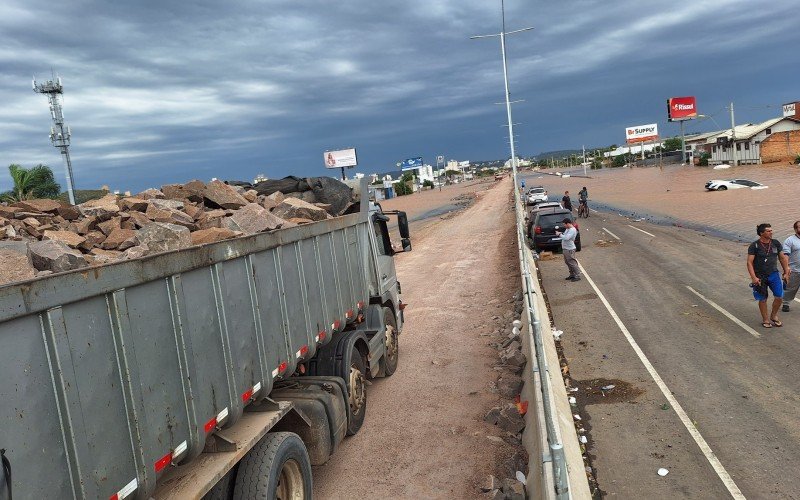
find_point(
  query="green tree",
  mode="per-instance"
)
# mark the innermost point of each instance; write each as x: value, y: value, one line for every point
x: 403, y: 187
x: 37, y: 182
x: 620, y: 160
x: 672, y: 144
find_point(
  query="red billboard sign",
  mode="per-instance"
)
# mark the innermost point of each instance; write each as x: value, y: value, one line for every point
x: 681, y: 108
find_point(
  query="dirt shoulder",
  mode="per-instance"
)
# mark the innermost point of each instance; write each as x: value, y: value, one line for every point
x: 425, y: 434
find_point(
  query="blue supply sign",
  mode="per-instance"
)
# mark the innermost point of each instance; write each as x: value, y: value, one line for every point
x: 411, y: 163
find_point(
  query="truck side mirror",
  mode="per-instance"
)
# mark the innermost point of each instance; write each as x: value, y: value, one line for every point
x: 402, y: 224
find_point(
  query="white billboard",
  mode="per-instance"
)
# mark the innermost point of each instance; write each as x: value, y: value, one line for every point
x: 641, y: 133
x: 463, y: 164
x: 341, y: 158
x: 789, y: 109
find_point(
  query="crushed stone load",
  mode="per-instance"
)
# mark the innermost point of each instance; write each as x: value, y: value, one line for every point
x: 43, y: 236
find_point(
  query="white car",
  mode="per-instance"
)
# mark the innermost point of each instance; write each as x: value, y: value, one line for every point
x: 535, y: 195
x: 723, y: 185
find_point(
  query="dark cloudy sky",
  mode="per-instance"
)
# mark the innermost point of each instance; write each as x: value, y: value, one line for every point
x: 167, y: 91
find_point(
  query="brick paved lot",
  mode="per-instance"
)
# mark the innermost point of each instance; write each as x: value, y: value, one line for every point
x: 677, y: 192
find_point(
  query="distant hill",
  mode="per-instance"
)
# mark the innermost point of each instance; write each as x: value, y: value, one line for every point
x: 563, y: 153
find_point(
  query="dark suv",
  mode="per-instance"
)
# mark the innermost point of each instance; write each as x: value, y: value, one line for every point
x: 544, y: 224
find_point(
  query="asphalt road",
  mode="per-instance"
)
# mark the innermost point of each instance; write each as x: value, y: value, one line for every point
x: 735, y: 381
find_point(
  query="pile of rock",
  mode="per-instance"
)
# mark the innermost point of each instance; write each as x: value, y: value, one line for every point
x: 45, y: 236
x: 508, y: 416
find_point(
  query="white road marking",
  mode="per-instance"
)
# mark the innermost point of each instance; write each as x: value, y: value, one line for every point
x: 687, y: 422
x: 797, y: 300
x: 642, y: 230
x: 593, y: 210
x: 612, y: 234
x: 726, y: 313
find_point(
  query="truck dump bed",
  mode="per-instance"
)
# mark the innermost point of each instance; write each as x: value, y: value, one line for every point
x: 110, y: 374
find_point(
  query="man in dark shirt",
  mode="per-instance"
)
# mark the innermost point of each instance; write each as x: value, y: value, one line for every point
x: 763, y: 256
x: 566, y: 202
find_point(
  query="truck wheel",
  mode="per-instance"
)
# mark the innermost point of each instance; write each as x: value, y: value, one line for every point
x: 223, y: 490
x: 277, y: 467
x: 356, y: 390
x: 392, y: 341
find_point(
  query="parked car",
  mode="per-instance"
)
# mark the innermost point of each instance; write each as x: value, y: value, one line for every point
x: 543, y: 225
x: 536, y: 194
x: 723, y: 185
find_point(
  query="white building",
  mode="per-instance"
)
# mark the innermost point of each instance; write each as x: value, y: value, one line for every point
x: 748, y: 139
x: 634, y: 149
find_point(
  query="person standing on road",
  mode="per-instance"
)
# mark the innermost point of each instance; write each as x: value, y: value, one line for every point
x: 763, y: 256
x: 583, y: 194
x: 791, y: 247
x: 566, y: 202
x: 522, y: 186
x: 568, y: 249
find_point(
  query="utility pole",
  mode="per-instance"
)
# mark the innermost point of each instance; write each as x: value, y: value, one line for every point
x: 733, y: 138
x: 683, y: 144
x: 584, y: 159
x: 502, y: 36
x: 59, y: 134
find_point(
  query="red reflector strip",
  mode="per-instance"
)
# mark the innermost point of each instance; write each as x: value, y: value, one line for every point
x: 336, y: 324
x: 304, y: 350
x: 360, y: 304
x: 247, y: 395
x: 163, y: 462
x: 210, y: 424
x: 282, y: 367
x: 322, y: 335
x: 126, y: 490
x: 349, y: 314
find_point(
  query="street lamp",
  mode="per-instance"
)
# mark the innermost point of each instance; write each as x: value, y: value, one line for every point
x: 502, y: 36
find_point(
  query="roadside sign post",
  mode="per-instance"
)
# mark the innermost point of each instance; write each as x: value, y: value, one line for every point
x: 342, y: 158
x: 681, y: 109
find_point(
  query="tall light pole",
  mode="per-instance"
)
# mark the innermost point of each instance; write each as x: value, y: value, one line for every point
x: 502, y: 36
x: 733, y: 138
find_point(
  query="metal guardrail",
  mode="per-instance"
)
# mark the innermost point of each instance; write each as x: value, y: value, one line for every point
x: 556, y: 455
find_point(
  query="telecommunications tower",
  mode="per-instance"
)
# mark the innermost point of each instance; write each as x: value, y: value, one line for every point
x: 59, y: 133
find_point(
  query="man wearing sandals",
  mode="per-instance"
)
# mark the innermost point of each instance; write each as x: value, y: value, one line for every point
x: 791, y: 247
x: 763, y: 256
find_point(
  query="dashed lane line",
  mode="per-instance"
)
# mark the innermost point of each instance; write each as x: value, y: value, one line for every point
x: 726, y: 313
x: 593, y: 210
x: 642, y: 230
x: 612, y: 234
x: 687, y: 422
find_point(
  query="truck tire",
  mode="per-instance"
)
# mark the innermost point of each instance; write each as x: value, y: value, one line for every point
x: 356, y: 381
x: 223, y: 490
x: 391, y: 357
x: 276, y: 468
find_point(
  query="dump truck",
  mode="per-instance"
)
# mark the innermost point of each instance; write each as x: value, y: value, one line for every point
x: 219, y: 371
